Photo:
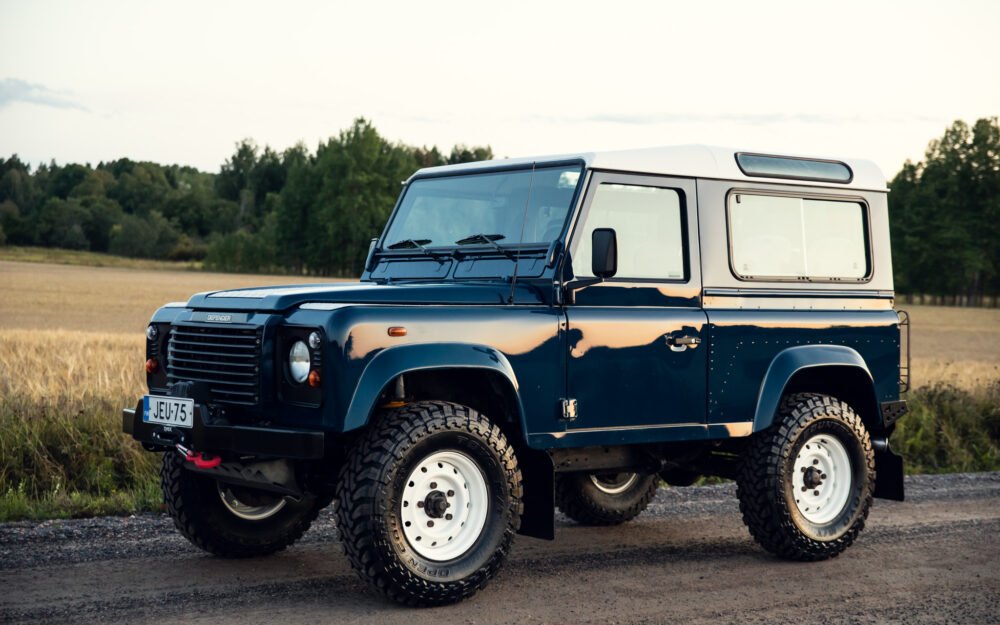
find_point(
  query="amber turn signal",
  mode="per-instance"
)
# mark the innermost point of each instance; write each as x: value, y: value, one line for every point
x: 152, y: 366
x: 397, y: 331
x: 314, y: 379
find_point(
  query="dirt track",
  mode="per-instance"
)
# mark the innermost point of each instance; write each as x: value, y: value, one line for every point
x: 933, y: 559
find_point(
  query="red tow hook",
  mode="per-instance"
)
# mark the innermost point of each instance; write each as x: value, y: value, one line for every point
x: 200, y: 460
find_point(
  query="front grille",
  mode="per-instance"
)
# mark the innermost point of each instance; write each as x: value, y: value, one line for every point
x: 225, y: 359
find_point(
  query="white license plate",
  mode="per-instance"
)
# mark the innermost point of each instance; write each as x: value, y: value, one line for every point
x: 168, y: 411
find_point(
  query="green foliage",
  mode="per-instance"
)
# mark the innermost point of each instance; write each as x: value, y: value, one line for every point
x: 945, y: 215
x: 151, y: 236
x: 79, y: 464
x: 950, y: 430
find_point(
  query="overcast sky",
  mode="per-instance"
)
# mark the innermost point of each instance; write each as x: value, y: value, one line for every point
x: 181, y: 82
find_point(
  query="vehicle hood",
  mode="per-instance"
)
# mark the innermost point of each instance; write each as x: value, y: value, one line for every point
x: 281, y: 298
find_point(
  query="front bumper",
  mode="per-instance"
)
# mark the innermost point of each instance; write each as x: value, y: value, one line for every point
x: 237, y: 439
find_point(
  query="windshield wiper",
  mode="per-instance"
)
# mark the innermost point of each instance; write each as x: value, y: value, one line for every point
x: 488, y: 239
x: 410, y: 244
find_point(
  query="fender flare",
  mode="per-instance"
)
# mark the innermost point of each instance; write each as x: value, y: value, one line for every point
x: 793, y: 360
x: 391, y: 362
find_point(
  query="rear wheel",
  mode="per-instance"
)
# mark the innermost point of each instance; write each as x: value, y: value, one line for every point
x: 606, y: 498
x: 806, y: 483
x: 428, y: 503
x: 231, y: 521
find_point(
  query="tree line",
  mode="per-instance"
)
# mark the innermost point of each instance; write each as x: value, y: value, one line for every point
x: 314, y: 212
x: 297, y: 211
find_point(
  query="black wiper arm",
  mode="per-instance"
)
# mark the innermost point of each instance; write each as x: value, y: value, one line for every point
x: 410, y: 244
x: 488, y: 239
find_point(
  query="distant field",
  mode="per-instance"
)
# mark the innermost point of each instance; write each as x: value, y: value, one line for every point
x: 105, y: 299
x: 959, y: 346
x: 71, y: 354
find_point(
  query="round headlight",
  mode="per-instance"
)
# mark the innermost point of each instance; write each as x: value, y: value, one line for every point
x: 314, y: 340
x: 152, y: 332
x: 298, y: 361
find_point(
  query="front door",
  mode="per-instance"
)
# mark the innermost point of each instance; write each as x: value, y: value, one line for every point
x: 636, y: 361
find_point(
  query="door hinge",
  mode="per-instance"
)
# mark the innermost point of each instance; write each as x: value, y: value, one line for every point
x: 568, y: 409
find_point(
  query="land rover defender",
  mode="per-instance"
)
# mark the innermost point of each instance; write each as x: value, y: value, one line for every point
x: 547, y: 332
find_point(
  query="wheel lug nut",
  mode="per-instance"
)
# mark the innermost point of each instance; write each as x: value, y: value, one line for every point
x: 430, y: 523
x: 816, y: 493
x: 420, y: 504
x: 434, y: 484
x: 451, y: 493
x: 815, y: 461
x: 803, y: 490
x: 448, y: 517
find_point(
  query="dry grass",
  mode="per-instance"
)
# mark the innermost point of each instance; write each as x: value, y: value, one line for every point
x: 71, y: 354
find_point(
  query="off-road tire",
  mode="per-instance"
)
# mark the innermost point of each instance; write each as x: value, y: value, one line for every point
x: 199, y: 514
x: 764, y: 482
x: 581, y: 500
x: 370, y: 493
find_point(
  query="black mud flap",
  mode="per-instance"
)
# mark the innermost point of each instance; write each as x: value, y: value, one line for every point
x: 888, y: 474
x: 538, y: 475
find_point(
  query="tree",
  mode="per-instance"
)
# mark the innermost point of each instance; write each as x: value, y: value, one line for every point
x: 359, y: 179
x: 944, y: 214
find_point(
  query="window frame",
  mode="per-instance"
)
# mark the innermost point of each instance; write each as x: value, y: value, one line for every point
x: 473, y: 170
x: 853, y: 199
x: 580, y: 221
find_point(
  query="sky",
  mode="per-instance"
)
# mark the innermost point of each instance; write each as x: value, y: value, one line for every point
x: 182, y: 82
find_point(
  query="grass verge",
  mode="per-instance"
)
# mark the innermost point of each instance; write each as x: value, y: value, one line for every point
x: 59, y: 256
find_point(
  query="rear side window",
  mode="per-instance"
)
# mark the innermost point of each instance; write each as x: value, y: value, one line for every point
x: 790, y: 238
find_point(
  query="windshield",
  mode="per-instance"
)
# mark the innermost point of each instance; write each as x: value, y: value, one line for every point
x: 491, y: 209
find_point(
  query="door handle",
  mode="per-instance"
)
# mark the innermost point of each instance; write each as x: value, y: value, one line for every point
x: 680, y: 343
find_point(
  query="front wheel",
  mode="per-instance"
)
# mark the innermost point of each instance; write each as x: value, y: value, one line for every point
x: 806, y: 483
x: 428, y: 503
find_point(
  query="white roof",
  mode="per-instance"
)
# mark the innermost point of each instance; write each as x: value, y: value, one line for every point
x: 690, y: 161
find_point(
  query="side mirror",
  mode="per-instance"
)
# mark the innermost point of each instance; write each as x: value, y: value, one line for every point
x: 604, y: 256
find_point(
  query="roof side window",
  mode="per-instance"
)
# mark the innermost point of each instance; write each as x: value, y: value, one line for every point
x: 765, y: 166
x: 792, y: 238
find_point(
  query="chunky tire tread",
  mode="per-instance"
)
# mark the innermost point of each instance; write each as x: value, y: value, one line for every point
x: 191, y: 521
x: 760, y: 487
x: 364, y: 482
x: 579, y: 499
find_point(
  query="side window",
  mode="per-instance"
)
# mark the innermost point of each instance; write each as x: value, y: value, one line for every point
x: 782, y: 237
x: 649, y: 225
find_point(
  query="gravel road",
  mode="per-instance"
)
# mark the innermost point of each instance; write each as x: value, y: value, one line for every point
x: 933, y: 559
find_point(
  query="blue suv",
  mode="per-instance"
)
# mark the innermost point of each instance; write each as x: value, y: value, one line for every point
x: 547, y: 332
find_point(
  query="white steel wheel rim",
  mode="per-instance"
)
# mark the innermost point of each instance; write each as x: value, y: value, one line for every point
x: 444, y: 505
x: 822, y: 479
x: 613, y: 488
x: 246, y: 511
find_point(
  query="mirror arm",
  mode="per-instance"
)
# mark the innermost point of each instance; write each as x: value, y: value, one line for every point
x: 570, y: 288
